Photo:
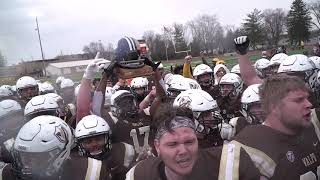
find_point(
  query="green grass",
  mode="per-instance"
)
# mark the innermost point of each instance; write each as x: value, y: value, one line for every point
x: 229, y: 61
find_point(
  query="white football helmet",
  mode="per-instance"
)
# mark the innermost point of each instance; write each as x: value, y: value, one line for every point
x: 139, y: 83
x: 56, y: 97
x: 176, y: 86
x: 59, y: 100
x: 202, y: 104
x: 123, y: 104
x: 65, y: 83
x: 275, y: 62
x: 277, y: 59
x: 251, y: 106
x: 67, y: 90
x: 45, y: 88
x: 231, y: 79
x: 216, y: 69
x: 8, y: 87
x: 59, y: 79
x: 201, y: 70
x: 192, y: 83
x: 5, y: 93
x: 27, y: 87
x: 41, y: 105
x: 236, y: 69
x: 41, y: 147
x: 90, y: 126
x: 9, y: 106
x: 169, y: 77
x: 301, y: 66
x: 261, y: 66
x: 316, y: 61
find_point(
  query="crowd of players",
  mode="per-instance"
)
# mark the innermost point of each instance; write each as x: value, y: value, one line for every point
x: 205, y: 123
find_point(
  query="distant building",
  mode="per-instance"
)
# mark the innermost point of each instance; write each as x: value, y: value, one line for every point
x: 66, y: 68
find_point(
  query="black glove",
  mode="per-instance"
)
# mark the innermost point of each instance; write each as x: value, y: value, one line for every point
x: 241, y: 44
x: 110, y: 68
x: 148, y: 62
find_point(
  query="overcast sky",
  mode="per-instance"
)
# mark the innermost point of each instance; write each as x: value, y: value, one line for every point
x: 67, y: 25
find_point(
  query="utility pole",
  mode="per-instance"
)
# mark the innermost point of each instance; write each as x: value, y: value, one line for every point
x: 42, y: 55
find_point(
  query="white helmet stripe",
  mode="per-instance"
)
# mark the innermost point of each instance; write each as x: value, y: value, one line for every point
x: 133, y: 43
x: 130, y: 43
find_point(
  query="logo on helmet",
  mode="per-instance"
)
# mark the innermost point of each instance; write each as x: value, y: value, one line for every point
x: 184, y: 101
x: 61, y: 134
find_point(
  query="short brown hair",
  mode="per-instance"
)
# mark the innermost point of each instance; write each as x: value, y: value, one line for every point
x: 276, y: 87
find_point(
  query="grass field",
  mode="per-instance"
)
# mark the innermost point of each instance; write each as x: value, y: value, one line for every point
x: 229, y: 60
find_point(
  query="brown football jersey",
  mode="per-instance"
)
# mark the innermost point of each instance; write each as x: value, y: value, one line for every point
x: 281, y: 156
x: 229, y: 109
x: 138, y: 133
x: 120, y: 160
x: 207, y: 167
x: 209, y: 140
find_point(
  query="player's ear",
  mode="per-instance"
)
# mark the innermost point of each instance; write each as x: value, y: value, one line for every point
x: 157, y: 145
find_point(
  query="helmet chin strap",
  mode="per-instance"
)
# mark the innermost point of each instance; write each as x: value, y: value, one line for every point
x: 131, y: 114
x: 140, y: 97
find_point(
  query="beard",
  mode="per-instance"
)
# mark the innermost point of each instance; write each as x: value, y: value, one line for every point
x: 292, y: 126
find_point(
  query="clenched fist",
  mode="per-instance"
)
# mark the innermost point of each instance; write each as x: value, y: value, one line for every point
x: 241, y: 44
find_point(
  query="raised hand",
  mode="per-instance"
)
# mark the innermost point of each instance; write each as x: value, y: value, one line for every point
x: 241, y: 44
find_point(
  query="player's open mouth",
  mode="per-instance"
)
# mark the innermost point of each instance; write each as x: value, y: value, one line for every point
x: 307, y: 116
x: 184, y: 162
x: 96, y: 152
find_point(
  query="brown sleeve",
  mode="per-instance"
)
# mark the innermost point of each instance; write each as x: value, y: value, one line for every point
x: 247, y: 170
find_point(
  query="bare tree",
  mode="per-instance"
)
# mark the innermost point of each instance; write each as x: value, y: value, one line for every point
x: 274, y: 22
x: 167, y: 37
x: 160, y: 46
x: 204, y: 29
x: 149, y: 37
x: 315, y: 12
x: 108, y: 52
x: 93, y: 48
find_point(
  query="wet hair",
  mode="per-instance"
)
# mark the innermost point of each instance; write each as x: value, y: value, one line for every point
x: 276, y: 87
